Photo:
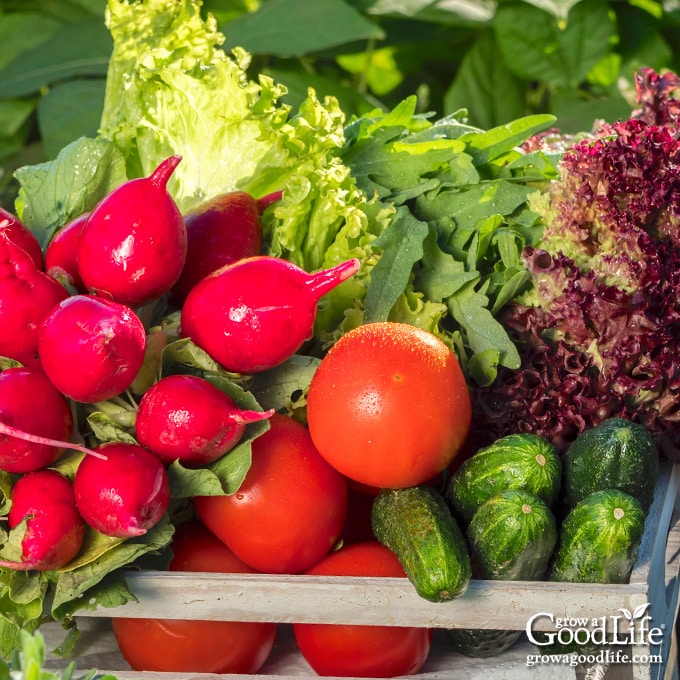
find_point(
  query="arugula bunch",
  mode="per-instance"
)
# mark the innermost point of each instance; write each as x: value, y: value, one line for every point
x: 450, y: 259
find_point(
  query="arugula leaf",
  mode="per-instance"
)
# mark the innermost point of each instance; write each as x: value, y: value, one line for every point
x: 401, y: 245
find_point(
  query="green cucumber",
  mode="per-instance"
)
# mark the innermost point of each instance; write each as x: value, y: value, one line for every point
x: 517, y: 461
x: 482, y: 643
x: 598, y: 543
x: 416, y: 524
x: 511, y: 537
x: 616, y: 454
x: 599, y: 539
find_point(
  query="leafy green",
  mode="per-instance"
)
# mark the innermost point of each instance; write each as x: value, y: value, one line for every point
x: 54, y: 192
x: 95, y: 579
x: 170, y: 89
x: 326, y: 23
x: 463, y: 220
x: 27, y: 661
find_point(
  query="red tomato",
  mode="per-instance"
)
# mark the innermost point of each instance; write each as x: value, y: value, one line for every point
x: 289, y: 510
x: 362, y: 651
x: 183, y: 646
x: 388, y: 406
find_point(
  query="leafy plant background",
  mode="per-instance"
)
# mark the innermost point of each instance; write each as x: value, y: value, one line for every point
x: 499, y: 60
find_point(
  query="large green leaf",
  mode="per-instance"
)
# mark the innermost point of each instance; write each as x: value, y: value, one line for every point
x: 20, y: 33
x: 538, y: 45
x: 82, y: 48
x: 13, y: 114
x: 297, y: 27
x: 486, y: 87
x: 68, y: 111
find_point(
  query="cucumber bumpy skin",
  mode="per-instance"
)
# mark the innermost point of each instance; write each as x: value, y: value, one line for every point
x: 599, y: 539
x: 512, y: 537
x: 517, y: 461
x: 416, y: 524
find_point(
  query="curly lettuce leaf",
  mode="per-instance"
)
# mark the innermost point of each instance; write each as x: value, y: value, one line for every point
x: 171, y: 89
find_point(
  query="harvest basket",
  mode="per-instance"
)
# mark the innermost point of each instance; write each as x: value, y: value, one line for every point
x: 386, y: 601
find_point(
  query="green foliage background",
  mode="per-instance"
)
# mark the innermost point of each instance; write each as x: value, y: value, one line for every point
x: 499, y: 60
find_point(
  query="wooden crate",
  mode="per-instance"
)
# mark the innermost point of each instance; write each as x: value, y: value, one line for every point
x: 486, y: 604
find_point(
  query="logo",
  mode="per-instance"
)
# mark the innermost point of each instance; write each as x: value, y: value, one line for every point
x: 594, y: 634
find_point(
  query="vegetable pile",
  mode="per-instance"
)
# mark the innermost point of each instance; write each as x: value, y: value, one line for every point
x: 222, y: 314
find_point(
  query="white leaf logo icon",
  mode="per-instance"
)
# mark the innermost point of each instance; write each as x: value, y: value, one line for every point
x: 627, y: 614
x: 640, y: 610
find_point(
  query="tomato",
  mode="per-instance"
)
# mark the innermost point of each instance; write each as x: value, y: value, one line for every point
x: 355, y: 650
x: 290, y: 508
x: 183, y: 646
x: 388, y: 405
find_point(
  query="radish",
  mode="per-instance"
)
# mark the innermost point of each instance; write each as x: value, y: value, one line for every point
x: 254, y: 314
x: 91, y: 348
x: 27, y: 294
x: 133, y: 246
x: 187, y: 418
x: 54, y: 528
x: 264, y: 202
x: 30, y: 403
x: 220, y: 231
x: 123, y: 494
x: 61, y: 256
x: 21, y: 236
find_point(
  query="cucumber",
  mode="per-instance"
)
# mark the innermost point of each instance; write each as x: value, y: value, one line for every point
x: 416, y: 524
x: 598, y: 543
x: 599, y: 539
x: 482, y: 643
x: 517, y: 461
x: 616, y: 454
x: 511, y: 537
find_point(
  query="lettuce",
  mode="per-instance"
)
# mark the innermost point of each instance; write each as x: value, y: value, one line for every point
x: 600, y: 331
x: 171, y: 89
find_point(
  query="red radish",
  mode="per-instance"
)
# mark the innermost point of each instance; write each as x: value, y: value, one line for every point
x: 254, y: 314
x: 133, y: 246
x: 26, y: 296
x: 220, y: 231
x: 123, y: 495
x: 264, y: 202
x: 54, y: 528
x: 187, y: 418
x: 61, y: 256
x: 29, y: 402
x: 21, y: 236
x: 91, y: 348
